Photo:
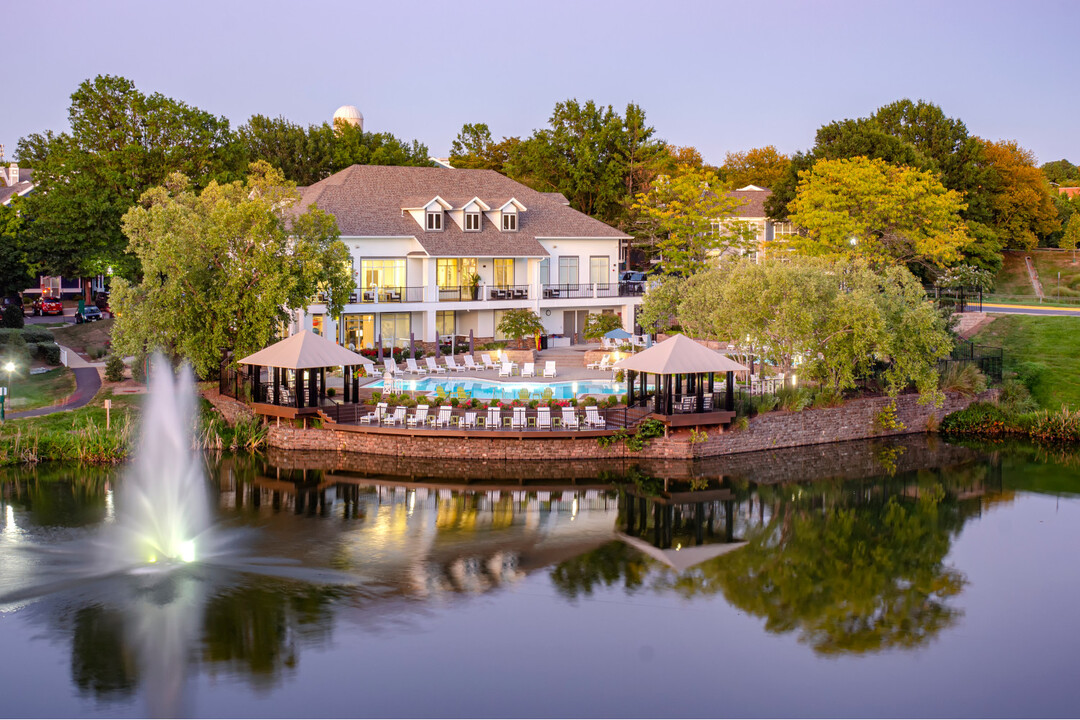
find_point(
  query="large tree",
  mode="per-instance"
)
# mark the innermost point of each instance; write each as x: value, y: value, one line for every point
x: 14, y: 274
x: 121, y: 143
x: 764, y: 167
x: 887, y: 213
x: 223, y: 267
x: 689, y: 222
x: 1062, y: 172
x: 1023, y: 209
x: 307, y: 155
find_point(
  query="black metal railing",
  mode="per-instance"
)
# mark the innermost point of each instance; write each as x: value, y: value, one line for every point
x: 508, y: 292
x: 462, y: 293
x: 568, y: 290
x: 989, y: 360
x: 398, y: 294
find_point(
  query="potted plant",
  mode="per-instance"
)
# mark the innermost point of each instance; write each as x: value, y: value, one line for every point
x: 474, y: 283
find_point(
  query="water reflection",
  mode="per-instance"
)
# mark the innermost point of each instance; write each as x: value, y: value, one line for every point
x: 849, y: 561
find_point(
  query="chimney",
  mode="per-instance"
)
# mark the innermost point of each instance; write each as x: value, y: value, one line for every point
x: 13, y: 174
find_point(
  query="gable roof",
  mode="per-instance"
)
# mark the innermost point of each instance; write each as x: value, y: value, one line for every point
x: 305, y: 350
x: 679, y: 355
x: 23, y: 186
x: 367, y: 201
x: 753, y: 201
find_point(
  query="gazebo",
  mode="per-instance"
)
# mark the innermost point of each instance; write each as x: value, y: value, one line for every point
x: 307, y: 355
x: 685, y: 372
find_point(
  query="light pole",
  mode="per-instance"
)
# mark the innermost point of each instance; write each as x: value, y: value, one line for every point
x: 10, y: 368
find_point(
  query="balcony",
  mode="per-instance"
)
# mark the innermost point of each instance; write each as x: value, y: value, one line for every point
x: 388, y: 295
x: 459, y: 293
x: 508, y: 292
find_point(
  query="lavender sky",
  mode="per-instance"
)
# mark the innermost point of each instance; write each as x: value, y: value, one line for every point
x: 721, y: 76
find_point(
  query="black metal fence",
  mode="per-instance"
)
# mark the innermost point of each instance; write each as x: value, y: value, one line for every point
x: 958, y: 299
x: 989, y: 360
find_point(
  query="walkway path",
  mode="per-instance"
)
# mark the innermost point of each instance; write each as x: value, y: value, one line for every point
x: 87, y: 383
x: 1030, y: 310
x: 1034, y: 277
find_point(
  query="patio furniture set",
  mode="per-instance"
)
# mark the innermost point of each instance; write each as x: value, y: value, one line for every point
x: 519, y: 418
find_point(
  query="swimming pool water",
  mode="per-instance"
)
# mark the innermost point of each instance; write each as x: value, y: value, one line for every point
x: 493, y: 390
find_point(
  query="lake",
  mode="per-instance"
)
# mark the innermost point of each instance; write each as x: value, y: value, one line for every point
x: 907, y: 577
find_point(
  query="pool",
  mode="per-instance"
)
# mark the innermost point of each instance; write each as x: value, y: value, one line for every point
x: 494, y: 390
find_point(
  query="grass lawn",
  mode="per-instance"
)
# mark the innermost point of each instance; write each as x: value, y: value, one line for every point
x: 1013, y: 279
x: 34, y: 391
x: 1053, y: 342
x: 1048, y: 264
x: 81, y: 337
x: 64, y: 421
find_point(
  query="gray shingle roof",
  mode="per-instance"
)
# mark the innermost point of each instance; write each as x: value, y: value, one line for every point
x: 367, y: 201
x: 753, y: 202
x: 26, y: 182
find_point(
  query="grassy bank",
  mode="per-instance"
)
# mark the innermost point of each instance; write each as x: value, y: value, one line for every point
x: 87, y: 336
x: 1043, y: 352
x: 41, y: 390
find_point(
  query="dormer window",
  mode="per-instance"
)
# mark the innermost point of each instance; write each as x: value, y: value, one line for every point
x: 472, y: 222
x: 434, y: 220
x: 509, y: 221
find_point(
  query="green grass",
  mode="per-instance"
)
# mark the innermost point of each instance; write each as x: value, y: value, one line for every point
x: 76, y: 436
x: 35, y: 391
x: 1048, y: 264
x: 1013, y: 279
x: 80, y: 337
x: 1053, y: 342
x: 93, y: 413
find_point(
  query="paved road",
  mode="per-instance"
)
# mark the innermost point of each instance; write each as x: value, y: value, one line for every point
x: 1030, y: 310
x: 87, y: 383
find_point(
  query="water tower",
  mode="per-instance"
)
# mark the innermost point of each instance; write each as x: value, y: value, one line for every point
x: 350, y: 115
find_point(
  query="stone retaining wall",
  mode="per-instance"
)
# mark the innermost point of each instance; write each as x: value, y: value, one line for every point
x: 854, y: 420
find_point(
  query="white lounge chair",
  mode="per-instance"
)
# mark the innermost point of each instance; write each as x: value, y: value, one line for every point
x: 494, y: 417
x: 489, y: 364
x: 434, y: 367
x: 543, y: 418
x: 445, y: 413
x: 592, y: 417
x: 528, y: 370
x: 470, y: 419
x: 412, y: 368
x: 389, y: 366
x: 470, y: 363
x: 418, y: 418
x: 506, y: 370
x: 549, y: 368
x: 602, y: 364
x: 451, y: 364
x: 398, y: 418
x: 517, y: 422
x: 376, y: 416
x: 569, y: 419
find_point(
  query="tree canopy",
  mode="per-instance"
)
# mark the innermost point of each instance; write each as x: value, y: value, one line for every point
x: 14, y: 274
x: 1062, y: 172
x: 841, y: 317
x: 681, y: 217
x: 121, y: 144
x: 1023, y: 209
x: 520, y: 324
x: 764, y: 167
x: 889, y: 214
x: 221, y: 268
x: 597, y: 325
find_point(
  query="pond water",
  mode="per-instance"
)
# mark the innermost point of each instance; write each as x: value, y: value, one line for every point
x: 494, y: 390
x: 900, y: 578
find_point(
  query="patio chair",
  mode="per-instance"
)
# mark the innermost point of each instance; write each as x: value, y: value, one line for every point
x: 470, y: 420
x: 462, y: 395
x: 592, y: 417
x: 389, y: 366
x: 412, y: 368
x: 549, y: 368
x: 507, y: 370
x: 528, y: 370
x: 543, y: 418
x: 443, y: 420
x: 523, y: 395
x: 517, y: 422
x: 547, y: 395
x: 470, y: 363
x: 494, y: 417
x: 376, y: 416
x: 489, y: 364
x: 601, y: 364
x: 570, y: 419
x: 418, y: 418
x: 708, y: 402
x: 433, y: 367
x: 451, y: 364
x: 398, y: 418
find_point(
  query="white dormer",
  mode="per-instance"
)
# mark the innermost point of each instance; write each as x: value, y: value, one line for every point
x: 506, y: 215
x: 430, y: 215
x: 470, y: 216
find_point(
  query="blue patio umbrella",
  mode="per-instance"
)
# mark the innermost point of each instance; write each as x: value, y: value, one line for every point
x: 618, y: 334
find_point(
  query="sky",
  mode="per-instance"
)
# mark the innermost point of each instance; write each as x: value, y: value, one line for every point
x: 721, y: 76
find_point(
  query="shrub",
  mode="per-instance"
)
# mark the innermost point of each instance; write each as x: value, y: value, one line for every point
x: 138, y: 369
x: 1031, y: 374
x: 742, y: 423
x: 12, y: 317
x: 95, y: 351
x: 114, y: 369
x: 612, y: 401
x: 1016, y: 398
x: 887, y: 419
x: 454, y: 402
x: 827, y: 396
x: 34, y: 334
x: 792, y: 398
x: 376, y: 396
x: 48, y: 352
x: 963, y: 378
x: 1057, y: 427
x: 589, y: 401
x: 331, y: 392
x: 981, y: 418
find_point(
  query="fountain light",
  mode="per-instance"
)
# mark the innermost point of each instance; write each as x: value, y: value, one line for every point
x: 187, y: 551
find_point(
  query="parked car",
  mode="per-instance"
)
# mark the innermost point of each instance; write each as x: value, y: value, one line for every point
x: 102, y: 301
x: 90, y: 313
x: 632, y: 282
x: 48, y: 306
x: 10, y: 300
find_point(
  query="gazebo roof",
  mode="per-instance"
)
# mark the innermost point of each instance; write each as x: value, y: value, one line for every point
x: 682, y: 559
x: 303, y: 351
x: 679, y: 355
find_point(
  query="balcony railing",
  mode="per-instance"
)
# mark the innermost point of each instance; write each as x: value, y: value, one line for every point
x: 389, y: 295
x: 568, y: 290
x: 454, y: 293
x: 508, y: 292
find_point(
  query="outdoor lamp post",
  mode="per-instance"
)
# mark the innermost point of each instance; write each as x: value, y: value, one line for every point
x: 10, y: 368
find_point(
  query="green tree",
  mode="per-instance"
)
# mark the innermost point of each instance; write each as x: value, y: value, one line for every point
x: 764, y: 167
x: 599, y: 324
x: 121, y: 144
x: 690, y: 222
x: 520, y: 324
x: 1062, y: 172
x: 15, y: 276
x: 1071, y: 238
x: 222, y: 268
x: 1023, y: 209
x: 474, y: 148
x: 885, y: 213
x: 660, y: 307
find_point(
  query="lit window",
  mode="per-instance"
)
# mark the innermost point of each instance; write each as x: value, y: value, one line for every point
x: 472, y: 221
x: 434, y: 221
x: 509, y: 222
